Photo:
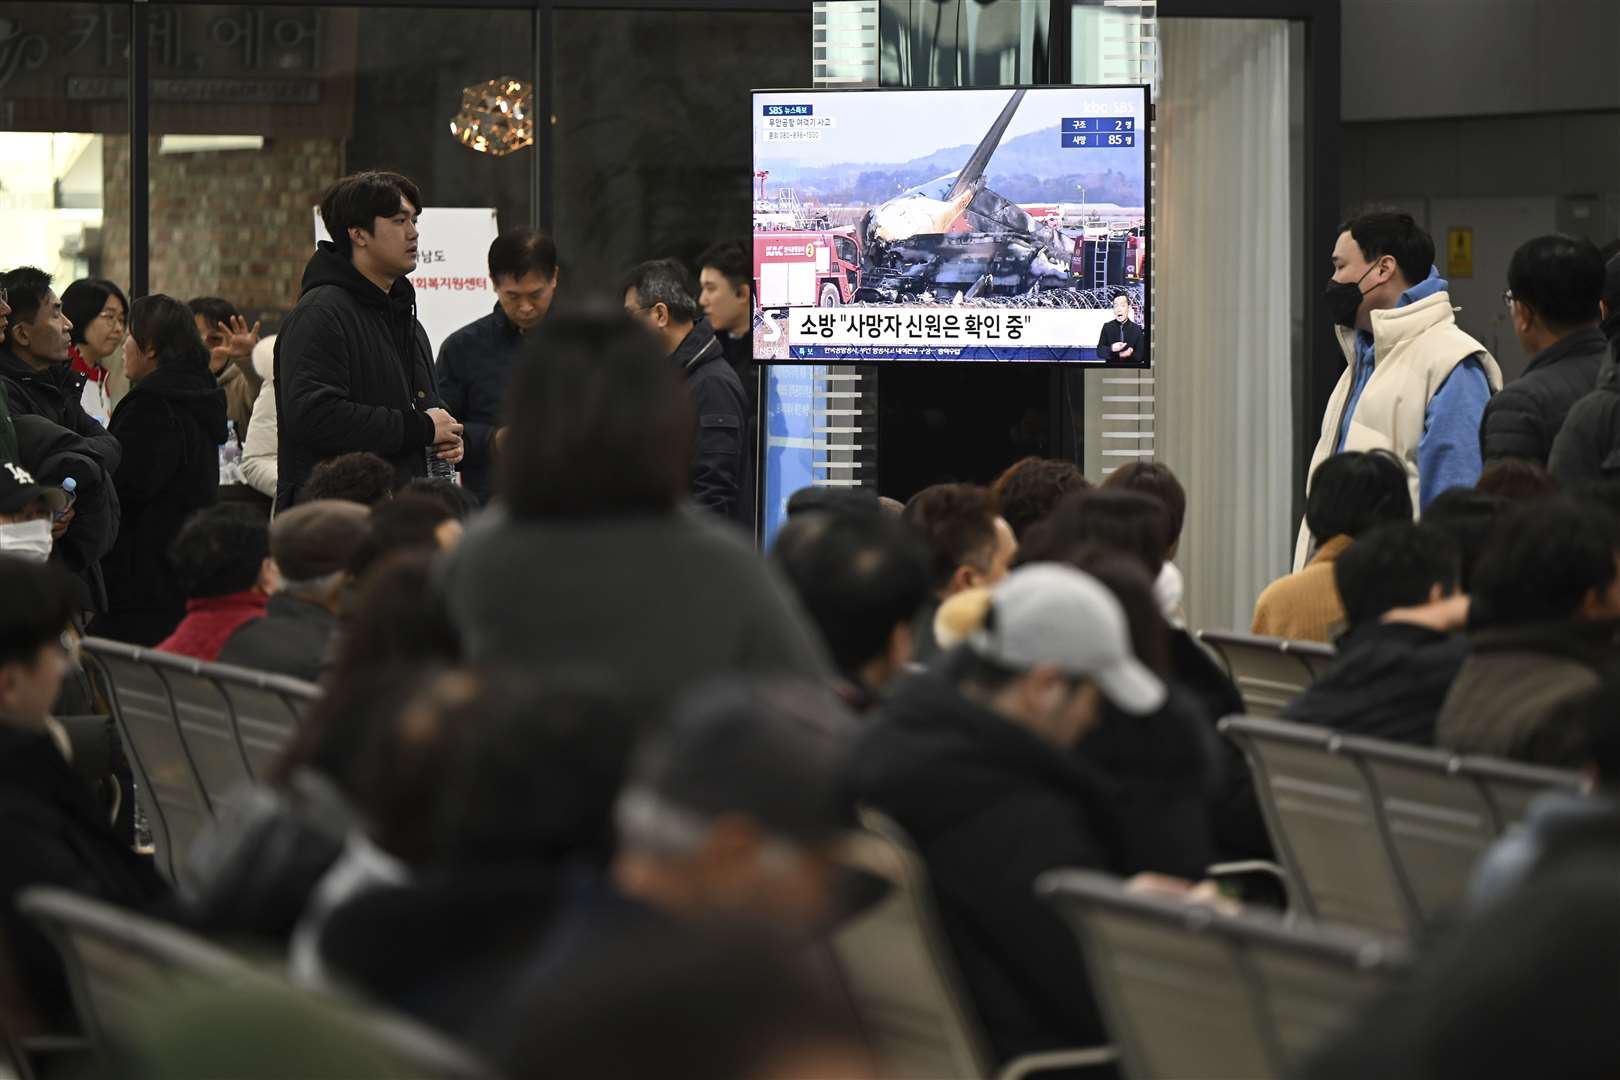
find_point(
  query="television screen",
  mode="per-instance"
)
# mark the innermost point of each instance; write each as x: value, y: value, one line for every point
x: 951, y: 225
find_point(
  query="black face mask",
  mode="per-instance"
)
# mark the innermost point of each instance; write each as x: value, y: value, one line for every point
x: 1343, y: 299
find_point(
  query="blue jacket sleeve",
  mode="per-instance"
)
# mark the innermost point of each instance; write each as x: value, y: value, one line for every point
x: 1448, y: 452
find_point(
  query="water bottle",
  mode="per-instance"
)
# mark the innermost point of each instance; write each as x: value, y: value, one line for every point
x: 230, y: 456
x: 70, y: 488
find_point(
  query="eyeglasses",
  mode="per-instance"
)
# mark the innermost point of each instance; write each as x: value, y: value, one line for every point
x: 113, y: 317
x: 4, y: 299
x: 1507, y: 298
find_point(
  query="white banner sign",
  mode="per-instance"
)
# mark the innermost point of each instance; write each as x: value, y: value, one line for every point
x: 452, y: 268
x: 942, y: 333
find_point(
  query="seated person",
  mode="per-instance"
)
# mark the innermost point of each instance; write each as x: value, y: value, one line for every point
x: 1350, y: 493
x: 975, y: 760
x: 1393, y: 671
x: 969, y: 545
x: 1516, y: 480
x: 311, y: 544
x: 359, y: 476
x: 523, y: 790
x: 1030, y: 488
x: 861, y: 578
x: 1469, y: 518
x: 222, y: 560
x: 56, y: 832
x: 1155, y: 479
x: 1542, y: 630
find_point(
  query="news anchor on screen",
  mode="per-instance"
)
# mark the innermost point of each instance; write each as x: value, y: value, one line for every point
x: 1121, y: 339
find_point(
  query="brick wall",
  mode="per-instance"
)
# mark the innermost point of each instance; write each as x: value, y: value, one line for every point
x: 233, y: 223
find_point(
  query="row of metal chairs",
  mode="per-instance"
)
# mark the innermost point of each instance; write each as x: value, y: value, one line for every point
x: 1380, y: 835
x: 193, y: 731
x: 1269, y: 672
x: 120, y: 965
x: 1185, y: 990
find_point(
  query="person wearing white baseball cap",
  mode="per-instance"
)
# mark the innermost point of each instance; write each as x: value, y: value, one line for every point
x: 973, y: 760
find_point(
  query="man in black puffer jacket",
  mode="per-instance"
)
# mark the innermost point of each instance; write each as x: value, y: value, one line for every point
x: 353, y: 367
x: 659, y: 294
x: 1554, y: 286
x: 1588, y: 448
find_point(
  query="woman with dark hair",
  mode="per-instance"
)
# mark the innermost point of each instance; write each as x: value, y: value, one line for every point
x: 99, y: 312
x: 594, y: 561
x: 170, y: 426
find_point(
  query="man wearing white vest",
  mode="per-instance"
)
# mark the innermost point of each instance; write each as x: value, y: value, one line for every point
x: 1414, y: 383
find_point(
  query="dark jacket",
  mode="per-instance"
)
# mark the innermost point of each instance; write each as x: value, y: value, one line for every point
x: 1557, y: 825
x: 1521, y: 691
x: 1588, y: 447
x: 54, y: 394
x: 8, y: 434
x: 55, y: 834
x: 170, y: 424
x: 1524, y: 417
x: 53, y: 454
x: 664, y: 601
x: 990, y: 807
x: 722, y: 480
x: 354, y: 371
x: 291, y: 639
x: 1130, y: 333
x: 475, y: 366
x: 1389, y: 682
x: 1239, y: 826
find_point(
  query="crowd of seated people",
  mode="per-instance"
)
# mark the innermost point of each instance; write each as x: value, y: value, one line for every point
x: 584, y: 753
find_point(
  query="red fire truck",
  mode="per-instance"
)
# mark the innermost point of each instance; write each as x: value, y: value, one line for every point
x: 806, y: 268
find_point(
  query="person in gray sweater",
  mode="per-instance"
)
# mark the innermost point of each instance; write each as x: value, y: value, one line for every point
x: 595, y: 561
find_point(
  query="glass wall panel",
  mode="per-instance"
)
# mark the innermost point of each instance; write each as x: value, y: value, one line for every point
x: 64, y: 73
x: 964, y: 42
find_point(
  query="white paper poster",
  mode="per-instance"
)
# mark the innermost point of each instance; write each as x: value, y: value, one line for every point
x: 452, y: 267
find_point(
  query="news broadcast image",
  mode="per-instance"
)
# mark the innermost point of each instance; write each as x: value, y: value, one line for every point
x: 951, y: 225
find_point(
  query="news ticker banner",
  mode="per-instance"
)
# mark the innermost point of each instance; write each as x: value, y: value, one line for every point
x: 869, y: 334
x: 452, y: 267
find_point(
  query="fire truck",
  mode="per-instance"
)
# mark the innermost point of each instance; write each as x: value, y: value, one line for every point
x: 806, y: 268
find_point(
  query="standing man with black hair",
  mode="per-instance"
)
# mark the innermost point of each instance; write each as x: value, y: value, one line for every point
x: 475, y: 363
x: 34, y: 363
x: 1555, y: 290
x: 726, y: 291
x: 1587, y: 448
x: 353, y: 366
x: 658, y: 294
x: 1415, y: 384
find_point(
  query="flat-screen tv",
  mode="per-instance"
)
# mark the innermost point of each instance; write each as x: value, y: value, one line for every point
x: 951, y: 225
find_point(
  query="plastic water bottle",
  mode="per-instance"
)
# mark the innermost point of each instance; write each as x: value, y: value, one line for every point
x: 70, y: 488
x: 230, y: 456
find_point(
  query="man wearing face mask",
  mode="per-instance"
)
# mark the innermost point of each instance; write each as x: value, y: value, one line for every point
x: 1415, y: 384
x: 25, y: 514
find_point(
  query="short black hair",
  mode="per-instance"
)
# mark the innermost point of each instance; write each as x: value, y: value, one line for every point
x: 600, y: 426
x: 858, y: 576
x: 163, y: 323
x: 39, y: 606
x: 537, y: 781
x: 1379, y: 232
x: 401, y: 524
x: 1126, y: 521
x: 26, y: 289
x: 1558, y: 277
x: 1154, y: 478
x: 1030, y: 488
x: 84, y: 300
x: 957, y: 524
x: 1353, y: 491
x: 1542, y: 561
x: 1468, y: 517
x: 663, y: 281
x: 1517, y: 479
x: 461, y: 502
x: 516, y: 253
x: 399, y: 617
x: 358, y: 476
x: 357, y: 201
x: 220, y: 550
x: 215, y: 310
x: 732, y: 259
x: 812, y: 499
x: 1392, y: 566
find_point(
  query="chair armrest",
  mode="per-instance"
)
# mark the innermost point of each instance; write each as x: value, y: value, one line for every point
x: 1050, y: 1060
x: 1218, y: 871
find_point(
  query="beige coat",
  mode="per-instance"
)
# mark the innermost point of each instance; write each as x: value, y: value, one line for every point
x: 1415, y: 348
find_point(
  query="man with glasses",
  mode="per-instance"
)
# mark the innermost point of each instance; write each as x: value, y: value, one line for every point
x: 34, y: 367
x: 1555, y: 289
x: 659, y: 295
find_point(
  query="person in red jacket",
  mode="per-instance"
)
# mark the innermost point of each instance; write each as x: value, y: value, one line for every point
x: 222, y: 556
